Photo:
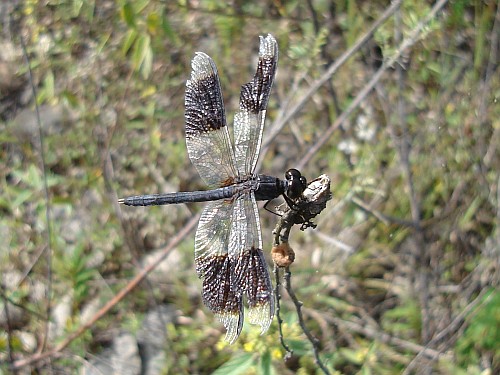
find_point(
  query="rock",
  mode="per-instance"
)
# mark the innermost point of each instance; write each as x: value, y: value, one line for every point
x: 53, y: 119
x: 152, y: 338
x: 122, y: 358
x: 17, y: 317
x: 125, y: 359
x: 60, y: 315
x: 28, y: 341
x: 166, y: 269
x: 100, y: 364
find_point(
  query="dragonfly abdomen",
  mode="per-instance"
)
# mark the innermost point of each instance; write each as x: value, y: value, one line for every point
x: 180, y: 197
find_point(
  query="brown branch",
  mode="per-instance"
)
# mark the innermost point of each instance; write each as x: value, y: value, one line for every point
x: 277, y: 297
x: 287, y: 276
x: 312, y: 201
x: 387, y: 220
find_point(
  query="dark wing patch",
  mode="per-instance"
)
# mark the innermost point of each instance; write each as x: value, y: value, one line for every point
x: 204, y: 102
x: 207, y: 137
x: 219, y: 296
x: 252, y: 278
x: 216, y: 266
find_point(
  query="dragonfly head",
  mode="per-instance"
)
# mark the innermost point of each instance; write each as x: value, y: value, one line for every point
x: 296, y: 183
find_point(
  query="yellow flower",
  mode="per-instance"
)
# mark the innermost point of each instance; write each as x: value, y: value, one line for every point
x: 276, y: 353
x: 249, y: 346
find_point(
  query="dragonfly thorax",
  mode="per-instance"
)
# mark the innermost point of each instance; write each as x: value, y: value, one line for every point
x: 269, y: 187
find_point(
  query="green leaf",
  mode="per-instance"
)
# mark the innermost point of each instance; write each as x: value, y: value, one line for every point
x: 167, y: 29
x: 32, y: 177
x: 471, y: 212
x: 139, y: 5
x: 153, y: 22
x: 103, y: 39
x: 140, y: 49
x: 354, y: 356
x: 70, y: 98
x: 49, y: 84
x: 129, y: 40
x: 147, y: 63
x: 128, y: 14
x: 299, y: 347
x: 48, y: 91
x: 266, y: 364
x: 87, y: 10
x: 76, y: 6
x: 22, y: 197
x: 236, y: 365
x: 143, y: 54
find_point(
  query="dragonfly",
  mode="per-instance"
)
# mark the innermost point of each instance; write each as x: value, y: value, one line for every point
x: 228, y: 241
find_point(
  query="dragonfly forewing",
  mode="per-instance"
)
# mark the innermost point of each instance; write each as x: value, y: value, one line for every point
x: 249, y: 120
x: 207, y: 137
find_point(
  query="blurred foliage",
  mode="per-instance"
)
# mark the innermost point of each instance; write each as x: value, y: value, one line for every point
x: 483, y: 334
x: 381, y: 297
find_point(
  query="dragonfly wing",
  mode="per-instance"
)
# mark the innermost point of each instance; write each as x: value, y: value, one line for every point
x: 207, y: 137
x: 254, y: 96
x: 216, y: 267
x: 228, y: 243
x: 250, y: 277
x: 229, y: 258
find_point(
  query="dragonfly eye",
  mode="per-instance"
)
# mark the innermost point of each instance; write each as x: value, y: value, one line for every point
x: 292, y: 174
x: 296, y: 183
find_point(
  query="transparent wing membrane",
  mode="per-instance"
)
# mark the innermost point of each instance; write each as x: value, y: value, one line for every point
x: 229, y: 258
x: 254, y: 96
x: 250, y: 275
x: 228, y: 243
x: 207, y: 137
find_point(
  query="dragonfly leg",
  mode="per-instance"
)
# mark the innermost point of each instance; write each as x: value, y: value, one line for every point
x: 269, y: 210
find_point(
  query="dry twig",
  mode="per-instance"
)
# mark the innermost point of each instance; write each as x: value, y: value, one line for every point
x: 308, y: 206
